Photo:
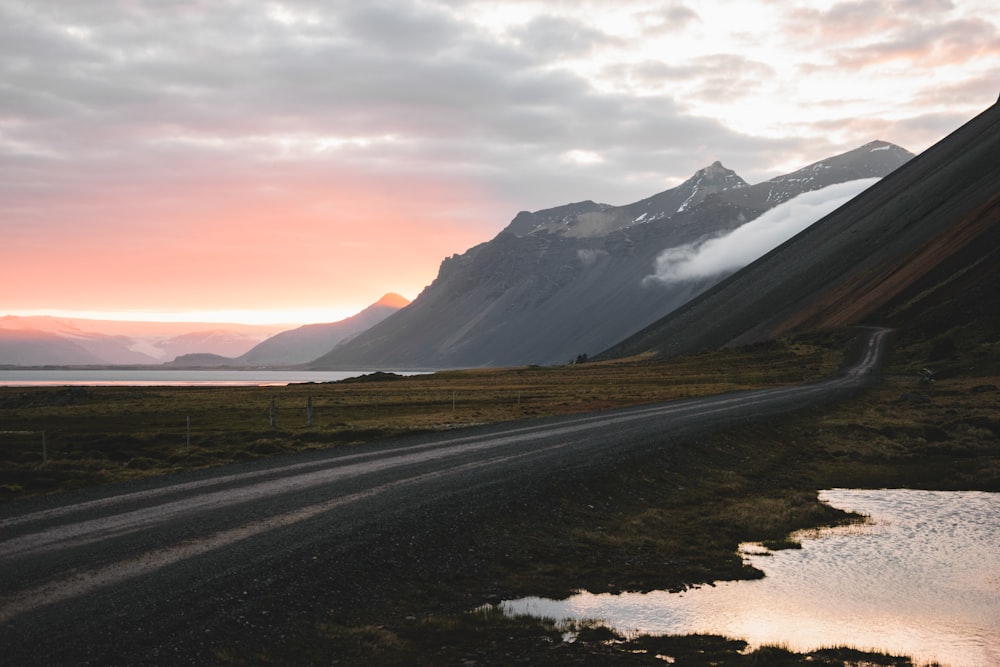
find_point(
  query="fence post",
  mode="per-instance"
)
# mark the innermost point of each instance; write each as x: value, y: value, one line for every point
x: 309, y: 411
x: 188, y: 438
x: 45, y: 449
x: 271, y: 413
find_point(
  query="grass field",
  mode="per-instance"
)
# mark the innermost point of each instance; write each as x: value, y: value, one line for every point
x: 58, y: 438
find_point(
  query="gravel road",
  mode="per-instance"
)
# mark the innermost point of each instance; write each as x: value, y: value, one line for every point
x: 153, y: 572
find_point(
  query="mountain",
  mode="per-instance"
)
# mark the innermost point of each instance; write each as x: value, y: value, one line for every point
x: 44, y: 340
x: 918, y: 251
x: 566, y: 281
x: 587, y: 219
x: 26, y: 347
x: 40, y: 341
x: 200, y: 360
x: 305, y: 343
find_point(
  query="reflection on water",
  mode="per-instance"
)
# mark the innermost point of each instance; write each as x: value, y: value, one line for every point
x: 168, y: 377
x: 921, y: 579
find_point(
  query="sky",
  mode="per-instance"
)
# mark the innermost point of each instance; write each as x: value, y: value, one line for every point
x: 294, y: 161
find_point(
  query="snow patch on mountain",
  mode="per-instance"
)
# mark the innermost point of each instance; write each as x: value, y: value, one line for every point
x: 687, y: 201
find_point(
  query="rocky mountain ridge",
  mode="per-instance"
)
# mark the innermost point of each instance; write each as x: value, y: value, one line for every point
x: 569, y: 280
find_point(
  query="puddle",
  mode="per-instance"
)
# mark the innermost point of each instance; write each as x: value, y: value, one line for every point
x: 921, y: 579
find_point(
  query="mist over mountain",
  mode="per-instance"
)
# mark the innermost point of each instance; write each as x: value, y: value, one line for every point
x: 917, y: 251
x: 729, y: 252
x: 572, y: 280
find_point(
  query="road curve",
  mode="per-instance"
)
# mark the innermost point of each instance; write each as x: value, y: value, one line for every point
x: 132, y: 576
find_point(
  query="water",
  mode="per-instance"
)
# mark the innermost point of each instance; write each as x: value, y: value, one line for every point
x: 922, y: 578
x: 169, y: 378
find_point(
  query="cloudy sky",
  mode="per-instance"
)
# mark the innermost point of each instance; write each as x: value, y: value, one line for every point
x: 230, y: 159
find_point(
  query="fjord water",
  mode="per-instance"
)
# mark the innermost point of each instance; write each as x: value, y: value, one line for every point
x: 921, y: 578
x: 167, y: 378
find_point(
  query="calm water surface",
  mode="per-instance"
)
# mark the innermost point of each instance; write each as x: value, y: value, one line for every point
x: 175, y: 378
x: 922, y: 578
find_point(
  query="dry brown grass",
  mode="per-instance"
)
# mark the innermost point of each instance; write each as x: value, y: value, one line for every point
x: 98, y: 435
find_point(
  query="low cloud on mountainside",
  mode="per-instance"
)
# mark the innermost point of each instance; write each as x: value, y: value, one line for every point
x: 731, y: 252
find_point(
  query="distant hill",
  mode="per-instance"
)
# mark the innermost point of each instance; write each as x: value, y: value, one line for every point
x: 44, y: 340
x: 26, y: 347
x: 919, y: 251
x: 297, y: 346
x: 572, y: 280
x: 60, y: 341
x: 200, y: 360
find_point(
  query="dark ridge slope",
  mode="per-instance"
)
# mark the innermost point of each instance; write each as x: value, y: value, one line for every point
x: 857, y: 264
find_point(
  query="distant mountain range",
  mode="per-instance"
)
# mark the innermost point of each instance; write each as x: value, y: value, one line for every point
x: 569, y: 281
x: 54, y: 341
x: 43, y: 340
x: 298, y: 346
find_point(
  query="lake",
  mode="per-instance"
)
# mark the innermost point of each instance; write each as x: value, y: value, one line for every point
x: 921, y: 578
x: 175, y: 378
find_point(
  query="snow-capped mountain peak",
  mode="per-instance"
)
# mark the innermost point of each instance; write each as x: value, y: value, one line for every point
x: 588, y: 219
x: 706, y: 181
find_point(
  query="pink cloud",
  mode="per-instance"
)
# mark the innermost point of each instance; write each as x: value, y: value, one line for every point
x: 866, y: 33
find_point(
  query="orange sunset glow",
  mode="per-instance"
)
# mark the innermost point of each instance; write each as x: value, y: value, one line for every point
x: 293, y: 162
x: 280, y: 250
